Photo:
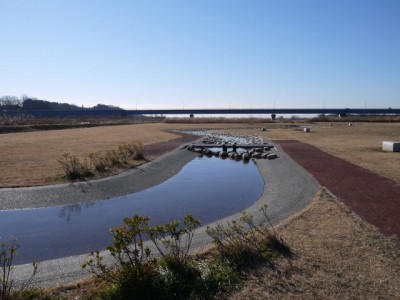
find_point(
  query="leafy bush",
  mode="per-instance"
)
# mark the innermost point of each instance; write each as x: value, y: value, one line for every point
x: 181, y: 275
x: 172, y: 240
x: 136, y: 272
x: 132, y: 258
x: 241, y: 245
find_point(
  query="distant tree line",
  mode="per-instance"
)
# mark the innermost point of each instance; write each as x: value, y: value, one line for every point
x: 26, y: 103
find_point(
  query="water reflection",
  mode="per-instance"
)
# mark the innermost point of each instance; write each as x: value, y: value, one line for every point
x: 209, y: 188
x: 69, y: 211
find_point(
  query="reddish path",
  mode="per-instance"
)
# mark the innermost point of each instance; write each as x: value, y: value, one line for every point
x: 375, y: 198
x: 160, y: 148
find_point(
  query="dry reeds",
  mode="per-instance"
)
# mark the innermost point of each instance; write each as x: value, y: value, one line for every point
x: 98, y: 164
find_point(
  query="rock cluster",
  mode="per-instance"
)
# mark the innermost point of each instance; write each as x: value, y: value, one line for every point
x: 213, y: 136
x: 218, y: 137
x: 246, y: 155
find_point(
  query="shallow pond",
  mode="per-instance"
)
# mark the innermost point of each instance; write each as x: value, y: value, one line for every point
x: 208, y: 188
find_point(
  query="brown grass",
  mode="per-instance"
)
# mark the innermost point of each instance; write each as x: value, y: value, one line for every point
x: 336, y: 256
x: 360, y: 144
x: 30, y: 158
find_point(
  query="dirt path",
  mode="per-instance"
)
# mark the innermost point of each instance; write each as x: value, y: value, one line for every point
x: 157, y: 149
x: 375, y: 198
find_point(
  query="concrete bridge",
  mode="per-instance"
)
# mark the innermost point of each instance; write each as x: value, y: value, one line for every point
x: 208, y: 111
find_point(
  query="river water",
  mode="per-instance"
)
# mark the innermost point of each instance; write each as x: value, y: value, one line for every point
x: 208, y: 188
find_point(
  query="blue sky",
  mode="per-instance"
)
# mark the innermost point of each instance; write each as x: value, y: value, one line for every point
x: 197, y: 54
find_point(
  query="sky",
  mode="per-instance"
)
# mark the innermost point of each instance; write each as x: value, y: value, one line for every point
x: 203, y: 54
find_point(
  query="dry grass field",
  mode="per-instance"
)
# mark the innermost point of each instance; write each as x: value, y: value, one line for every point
x: 336, y: 254
x: 360, y: 144
x: 30, y: 158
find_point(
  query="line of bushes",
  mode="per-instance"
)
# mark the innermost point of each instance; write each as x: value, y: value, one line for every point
x: 174, y: 274
x: 98, y: 164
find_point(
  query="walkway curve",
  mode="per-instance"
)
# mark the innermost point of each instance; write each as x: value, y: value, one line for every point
x: 288, y: 189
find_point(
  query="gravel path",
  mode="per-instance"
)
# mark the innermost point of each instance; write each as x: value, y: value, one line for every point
x: 288, y: 189
x: 375, y: 198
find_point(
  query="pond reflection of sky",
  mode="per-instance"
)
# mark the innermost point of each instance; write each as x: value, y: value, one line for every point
x: 208, y: 188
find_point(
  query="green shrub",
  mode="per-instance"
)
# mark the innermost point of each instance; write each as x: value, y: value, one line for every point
x: 172, y: 240
x: 127, y: 249
x: 181, y: 275
x: 241, y: 245
x: 136, y: 272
